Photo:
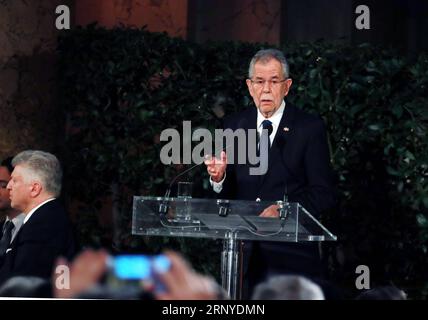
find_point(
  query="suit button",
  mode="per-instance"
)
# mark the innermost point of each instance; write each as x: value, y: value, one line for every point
x: 258, y: 199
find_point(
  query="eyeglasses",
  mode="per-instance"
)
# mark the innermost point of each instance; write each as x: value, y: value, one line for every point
x: 3, y: 184
x: 260, y: 83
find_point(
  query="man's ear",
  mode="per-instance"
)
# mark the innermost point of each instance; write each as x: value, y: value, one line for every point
x: 287, y: 87
x: 36, y: 188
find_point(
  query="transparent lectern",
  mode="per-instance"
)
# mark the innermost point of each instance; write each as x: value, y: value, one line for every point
x: 230, y: 220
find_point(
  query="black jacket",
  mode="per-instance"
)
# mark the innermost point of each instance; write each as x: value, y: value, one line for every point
x: 44, y: 237
x: 299, y: 165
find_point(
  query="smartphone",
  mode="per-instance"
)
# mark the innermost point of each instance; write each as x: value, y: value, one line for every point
x: 137, y: 270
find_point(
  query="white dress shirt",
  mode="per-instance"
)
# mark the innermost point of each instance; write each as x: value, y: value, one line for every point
x: 275, y: 119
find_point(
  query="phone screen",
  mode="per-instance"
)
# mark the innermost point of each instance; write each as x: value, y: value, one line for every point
x: 139, y: 267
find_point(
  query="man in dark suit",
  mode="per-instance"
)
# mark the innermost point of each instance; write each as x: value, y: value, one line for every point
x: 46, y: 232
x: 298, y: 168
x: 12, y: 218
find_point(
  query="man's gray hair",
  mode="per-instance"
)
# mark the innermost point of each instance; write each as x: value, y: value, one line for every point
x: 288, y: 288
x: 44, y: 166
x: 265, y: 56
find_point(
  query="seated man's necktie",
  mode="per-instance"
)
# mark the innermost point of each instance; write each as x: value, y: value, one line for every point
x: 6, y: 238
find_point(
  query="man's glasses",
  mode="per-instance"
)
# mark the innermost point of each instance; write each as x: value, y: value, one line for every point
x: 260, y: 83
x: 3, y: 184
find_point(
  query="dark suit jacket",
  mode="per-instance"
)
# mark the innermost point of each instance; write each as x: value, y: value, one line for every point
x: 299, y: 165
x: 44, y: 237
x: 1, y: 227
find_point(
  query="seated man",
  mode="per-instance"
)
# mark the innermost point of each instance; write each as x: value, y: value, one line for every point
x: 46, y: 231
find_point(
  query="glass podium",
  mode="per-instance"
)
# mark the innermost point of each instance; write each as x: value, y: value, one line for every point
x: 229, y: 220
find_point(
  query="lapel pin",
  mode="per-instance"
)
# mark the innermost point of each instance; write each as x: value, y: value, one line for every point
x: 286, y: 129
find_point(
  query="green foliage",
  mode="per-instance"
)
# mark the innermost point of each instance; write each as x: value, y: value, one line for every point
x: 122, y: 87
x: 374, y: 104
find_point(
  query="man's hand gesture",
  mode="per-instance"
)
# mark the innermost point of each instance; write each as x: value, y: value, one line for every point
x: 216, y: 167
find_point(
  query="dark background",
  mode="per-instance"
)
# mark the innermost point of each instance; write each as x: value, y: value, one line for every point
x: 98, y: 97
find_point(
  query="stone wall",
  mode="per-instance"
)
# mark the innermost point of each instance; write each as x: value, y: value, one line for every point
x: 158, y: 15
x: 198, y: 20
x: 29, y: 117
x: 235, y: 20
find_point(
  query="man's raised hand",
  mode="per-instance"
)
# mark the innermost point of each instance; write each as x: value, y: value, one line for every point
x: 216, y: 167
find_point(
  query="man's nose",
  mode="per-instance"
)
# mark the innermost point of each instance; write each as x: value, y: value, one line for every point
x: 9, y: 185
x: 266, y: 86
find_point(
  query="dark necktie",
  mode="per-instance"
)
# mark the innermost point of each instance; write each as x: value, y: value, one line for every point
x: 267, y: 125
x: 7, y: 236
x: 265, y: 145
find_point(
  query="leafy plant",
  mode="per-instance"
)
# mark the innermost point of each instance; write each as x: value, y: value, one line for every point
x: 120, y: 88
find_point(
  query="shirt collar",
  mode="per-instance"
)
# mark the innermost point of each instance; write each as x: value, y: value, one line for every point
x: 275, y: 118
x: 29, y: 214
x: 17, y: 221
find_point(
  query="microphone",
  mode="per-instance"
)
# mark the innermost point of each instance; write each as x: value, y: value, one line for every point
x: 163, y: 207
x: 168, y: 190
